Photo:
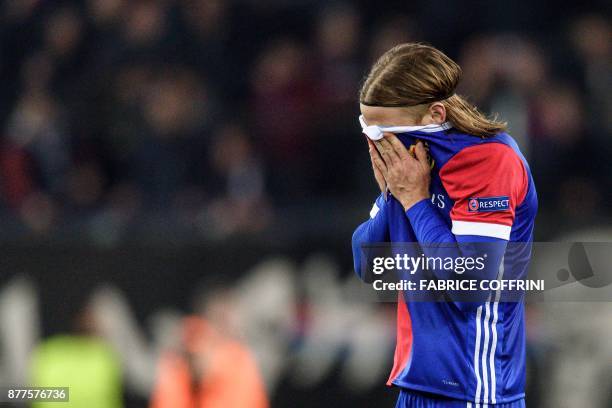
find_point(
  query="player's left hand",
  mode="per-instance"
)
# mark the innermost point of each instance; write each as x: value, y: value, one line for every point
x: 407, y: 176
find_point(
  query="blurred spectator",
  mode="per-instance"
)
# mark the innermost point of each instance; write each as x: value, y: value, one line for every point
x: 105, y: 12
x: 206, y: 39
x: 145, y: 24
x: 591, y: 36
x: 283, y: 98
x: 36, y: 130
x: 84, y: 363
x: 238, y: 191
x: 63, y: 32
x: 565, y: 151
x: 393, y: 30
x: 338, y: 69
x: 209, y: 367
x: 170, y: 155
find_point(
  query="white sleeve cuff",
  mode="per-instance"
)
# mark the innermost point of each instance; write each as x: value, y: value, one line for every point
x: 484, y: 229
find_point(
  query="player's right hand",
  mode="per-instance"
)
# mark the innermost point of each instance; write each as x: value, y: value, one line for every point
x: 380, y: 179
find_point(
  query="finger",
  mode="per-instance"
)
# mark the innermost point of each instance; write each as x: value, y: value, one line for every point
x: 377, y: 161
x: 379, y: 148
x: 372, y: 151
x: 420, y: 152
x: 380, y: 167
x: 379, y: 176
x: 377, y: 171
x: 388, y: 146
x: 397, y: 145
x: 387, y: 151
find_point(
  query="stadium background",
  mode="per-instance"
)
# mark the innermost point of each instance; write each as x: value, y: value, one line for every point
x: 160, y: 158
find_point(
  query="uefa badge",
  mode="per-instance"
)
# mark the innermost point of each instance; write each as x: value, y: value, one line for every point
x: 473, y: 205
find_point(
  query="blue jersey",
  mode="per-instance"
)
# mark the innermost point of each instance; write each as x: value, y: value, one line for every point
x: 481, y: 189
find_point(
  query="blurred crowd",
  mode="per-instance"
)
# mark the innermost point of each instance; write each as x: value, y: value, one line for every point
x: 219, y: 117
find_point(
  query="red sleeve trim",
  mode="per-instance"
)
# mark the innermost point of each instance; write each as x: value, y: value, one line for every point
x: 486, y: 182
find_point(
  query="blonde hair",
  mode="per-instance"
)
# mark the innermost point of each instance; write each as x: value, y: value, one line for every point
x: 413, y: 74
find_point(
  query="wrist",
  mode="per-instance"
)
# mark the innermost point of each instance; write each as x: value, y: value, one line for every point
x: 410, y: 200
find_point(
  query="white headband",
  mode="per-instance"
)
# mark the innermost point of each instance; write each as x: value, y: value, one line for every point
x: 375, y: 132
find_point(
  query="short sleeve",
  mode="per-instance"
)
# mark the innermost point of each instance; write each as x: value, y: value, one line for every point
x: 486, y: 182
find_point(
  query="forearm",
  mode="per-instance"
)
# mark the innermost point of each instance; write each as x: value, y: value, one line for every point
x: 428, y: 224
x: 431, y: 230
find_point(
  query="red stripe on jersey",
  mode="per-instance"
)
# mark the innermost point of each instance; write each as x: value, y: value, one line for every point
x: 403, y: 346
